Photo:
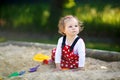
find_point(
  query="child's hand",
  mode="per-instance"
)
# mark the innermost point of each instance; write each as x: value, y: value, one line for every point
x: 58, y: 68
x: 78, y: 69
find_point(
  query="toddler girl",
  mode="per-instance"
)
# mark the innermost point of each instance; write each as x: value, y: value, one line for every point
x: 70, y: 51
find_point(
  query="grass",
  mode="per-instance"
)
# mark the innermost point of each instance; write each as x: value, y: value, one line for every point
x: 100, y: 14
x: 99, y: 18
x: 2, y: 39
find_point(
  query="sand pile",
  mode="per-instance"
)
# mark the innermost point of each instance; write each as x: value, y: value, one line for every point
x: 15, y: 58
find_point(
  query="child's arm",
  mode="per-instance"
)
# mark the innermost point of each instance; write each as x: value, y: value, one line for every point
x: 58, y: 55
x: 58, y: 66
x: 58, y: 51
x: 81, y: 53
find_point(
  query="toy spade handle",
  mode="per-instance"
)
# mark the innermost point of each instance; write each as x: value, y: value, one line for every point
x: 34, y: 68
x: 37, y: 66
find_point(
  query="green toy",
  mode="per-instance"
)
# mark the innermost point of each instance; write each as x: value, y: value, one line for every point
x: 13, y: 74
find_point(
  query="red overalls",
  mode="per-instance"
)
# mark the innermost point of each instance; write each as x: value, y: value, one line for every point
x: 68, y: 58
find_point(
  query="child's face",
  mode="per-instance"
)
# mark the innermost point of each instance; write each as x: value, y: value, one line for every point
x: 71, y: 27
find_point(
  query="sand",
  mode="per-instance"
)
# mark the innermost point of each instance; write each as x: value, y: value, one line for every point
x: 15, y: 58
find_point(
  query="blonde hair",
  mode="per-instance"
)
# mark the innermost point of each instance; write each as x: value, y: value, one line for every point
x: 61, y: 24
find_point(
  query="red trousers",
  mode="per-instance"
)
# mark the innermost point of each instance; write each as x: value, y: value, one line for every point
x: 68, y: 58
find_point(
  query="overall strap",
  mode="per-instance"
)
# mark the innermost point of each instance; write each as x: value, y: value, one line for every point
x: 63, y: 42
x: 75, y: 41
x: 73, y: 44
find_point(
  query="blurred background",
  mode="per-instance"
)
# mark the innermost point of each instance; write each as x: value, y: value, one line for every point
x: 37, y: 20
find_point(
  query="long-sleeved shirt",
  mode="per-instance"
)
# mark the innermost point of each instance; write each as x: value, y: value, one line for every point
x: 79, y: 49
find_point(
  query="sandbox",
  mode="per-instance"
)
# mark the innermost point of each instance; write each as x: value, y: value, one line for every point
x: 18, y: 56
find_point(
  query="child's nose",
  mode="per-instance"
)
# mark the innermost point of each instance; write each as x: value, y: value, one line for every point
x: 74, y: 27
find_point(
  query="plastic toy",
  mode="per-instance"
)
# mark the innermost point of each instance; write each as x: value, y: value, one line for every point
x: 0, y: 78
x: 16, y: 74
x: 13, y: 74
x: 40, y: 57
x: 22, y: 72
x: 45, y: 61
x: 34, y: 68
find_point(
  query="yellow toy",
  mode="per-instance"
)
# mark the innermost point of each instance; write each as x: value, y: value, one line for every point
x: 0, y: 78
x: 40, y: 57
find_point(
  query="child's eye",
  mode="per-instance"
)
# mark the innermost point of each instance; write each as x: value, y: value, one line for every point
x: 76, y: 25
x: 70, y: 26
